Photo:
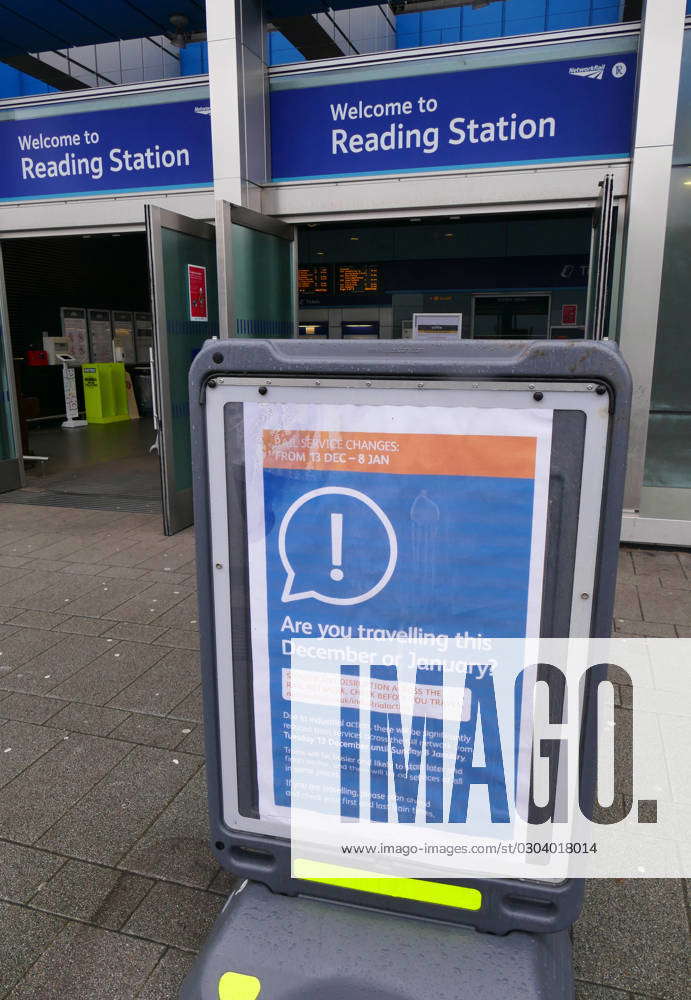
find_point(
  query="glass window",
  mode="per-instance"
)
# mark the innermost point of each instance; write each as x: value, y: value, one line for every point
x: 511, y: 317
x: 668, y: 456
x: 503, y: 18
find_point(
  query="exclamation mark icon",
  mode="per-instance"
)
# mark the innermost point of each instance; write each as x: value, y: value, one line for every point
x: 337, y: 546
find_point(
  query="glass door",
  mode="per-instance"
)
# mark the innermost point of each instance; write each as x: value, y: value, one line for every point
x: 11, y: 467
x: 601, y: 260
x: 184, y: 296
x: 511, y: 317
x: 257, y: 266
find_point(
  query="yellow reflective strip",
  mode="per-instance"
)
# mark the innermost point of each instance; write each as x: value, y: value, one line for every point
x: 458, y: 896
x: 234, y: 986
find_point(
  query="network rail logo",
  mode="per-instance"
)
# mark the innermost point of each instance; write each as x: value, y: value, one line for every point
x: 591, y: 72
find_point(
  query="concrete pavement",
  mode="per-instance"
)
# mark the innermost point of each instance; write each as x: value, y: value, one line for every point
x: 107, y: 887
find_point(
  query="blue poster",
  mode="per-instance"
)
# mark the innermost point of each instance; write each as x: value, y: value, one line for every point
x: 415, y: 524
x: 154, y: 147
x: 580, y: 109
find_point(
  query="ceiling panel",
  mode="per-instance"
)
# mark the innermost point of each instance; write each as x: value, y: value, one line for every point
x: 40, y: 25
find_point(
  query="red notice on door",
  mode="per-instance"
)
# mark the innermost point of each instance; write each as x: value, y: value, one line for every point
x: 569, y: 314
x: 196, y: 286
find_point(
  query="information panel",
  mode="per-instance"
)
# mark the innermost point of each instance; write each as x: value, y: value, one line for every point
x: 352, y: 278
x: 123, y: 337
x: 571, y: 109
x: 313, y: 279
x: 100, y: 335
x: 367, y: 522
x: 143, y: 336
x: 75, y: 331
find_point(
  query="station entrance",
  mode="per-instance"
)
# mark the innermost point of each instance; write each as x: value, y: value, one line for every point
x: 85, y: 297
x: 507, y: 277
x: 144, y: 303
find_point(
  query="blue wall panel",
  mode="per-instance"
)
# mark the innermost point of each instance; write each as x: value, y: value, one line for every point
x: 520, y: 17
x: 13, y: 83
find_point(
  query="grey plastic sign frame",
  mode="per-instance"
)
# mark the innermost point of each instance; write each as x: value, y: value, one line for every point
x: 581, y: 382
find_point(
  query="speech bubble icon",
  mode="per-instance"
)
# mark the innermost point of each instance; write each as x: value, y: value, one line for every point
x: 355, y: 598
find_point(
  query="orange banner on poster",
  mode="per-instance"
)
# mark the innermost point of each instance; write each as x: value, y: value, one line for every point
x: 410, y: 454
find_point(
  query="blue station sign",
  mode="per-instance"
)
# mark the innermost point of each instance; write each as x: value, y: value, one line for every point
x: 153, y: 147
x: 560, y: 111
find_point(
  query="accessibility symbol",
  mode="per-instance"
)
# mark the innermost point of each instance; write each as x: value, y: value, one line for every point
x: 362, y: 547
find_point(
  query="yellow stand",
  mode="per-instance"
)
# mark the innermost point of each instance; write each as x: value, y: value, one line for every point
x: 105, y: 394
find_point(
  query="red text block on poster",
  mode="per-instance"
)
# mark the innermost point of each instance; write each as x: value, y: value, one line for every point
x: 410, y: 454
x: 569, y: 315
x: 196, y: 287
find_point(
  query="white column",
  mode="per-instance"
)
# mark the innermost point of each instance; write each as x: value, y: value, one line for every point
x: 658, y: 89
x: 237, y: 80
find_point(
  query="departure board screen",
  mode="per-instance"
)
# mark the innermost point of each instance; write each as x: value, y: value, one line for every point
x: 313, y: 279
x: 355, y: 278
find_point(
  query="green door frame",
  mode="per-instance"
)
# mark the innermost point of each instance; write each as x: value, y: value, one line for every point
x: 228, y: 216
x: 11, y: 462
x: 169, y: 331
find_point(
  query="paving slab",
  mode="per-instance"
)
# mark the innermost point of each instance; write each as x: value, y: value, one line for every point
x: 33, y: 708
x: 105, y: 595
x: 163, y: 686
x: 85, y: 963
x: 93, y: 719
x: 193, y: 741
x: 24, y: 870
x: 224, y: 883
x: 668, y: 605
x: 165, y: 981
x: 36, y: 799
x: 150, y: 731
x: 26, y: 934
x: 92, y: 893
x: 634, y: 629
x: 648, y: 561
x: 110, y: 673
x: 133, y: 631
x: 190, y: 708
x: 69, y: 654
x: 39, y: 619
x: 20, y: 745
x: 175, y: 915
x: 82, y: 569
x: 591, y: 991
x: 183, y: 615
x: 58, y: 593
x: 633, y: 935
x: 176, y: 846
x: 23, y: 645
x: 627, y: 604
x: 181, y: 638
x: 112, y: 815
x: 149, y: 604
x: 80, y: 625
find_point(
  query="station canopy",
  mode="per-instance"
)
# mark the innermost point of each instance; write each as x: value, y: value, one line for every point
x: 45, y: 25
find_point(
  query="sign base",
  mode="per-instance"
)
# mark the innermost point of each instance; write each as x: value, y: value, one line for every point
x: 265, y: 945
x: 67, y: 424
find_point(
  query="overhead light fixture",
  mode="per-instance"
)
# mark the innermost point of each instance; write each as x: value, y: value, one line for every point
x: 312, y: 225
x: 687, y: 184
x: 181, y: 36
x: 320, y: 253
x: 416, y: 219
x: 449, y: 235
x: 454, y: 218
x: 354, y: 238
x: 409, y: 6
